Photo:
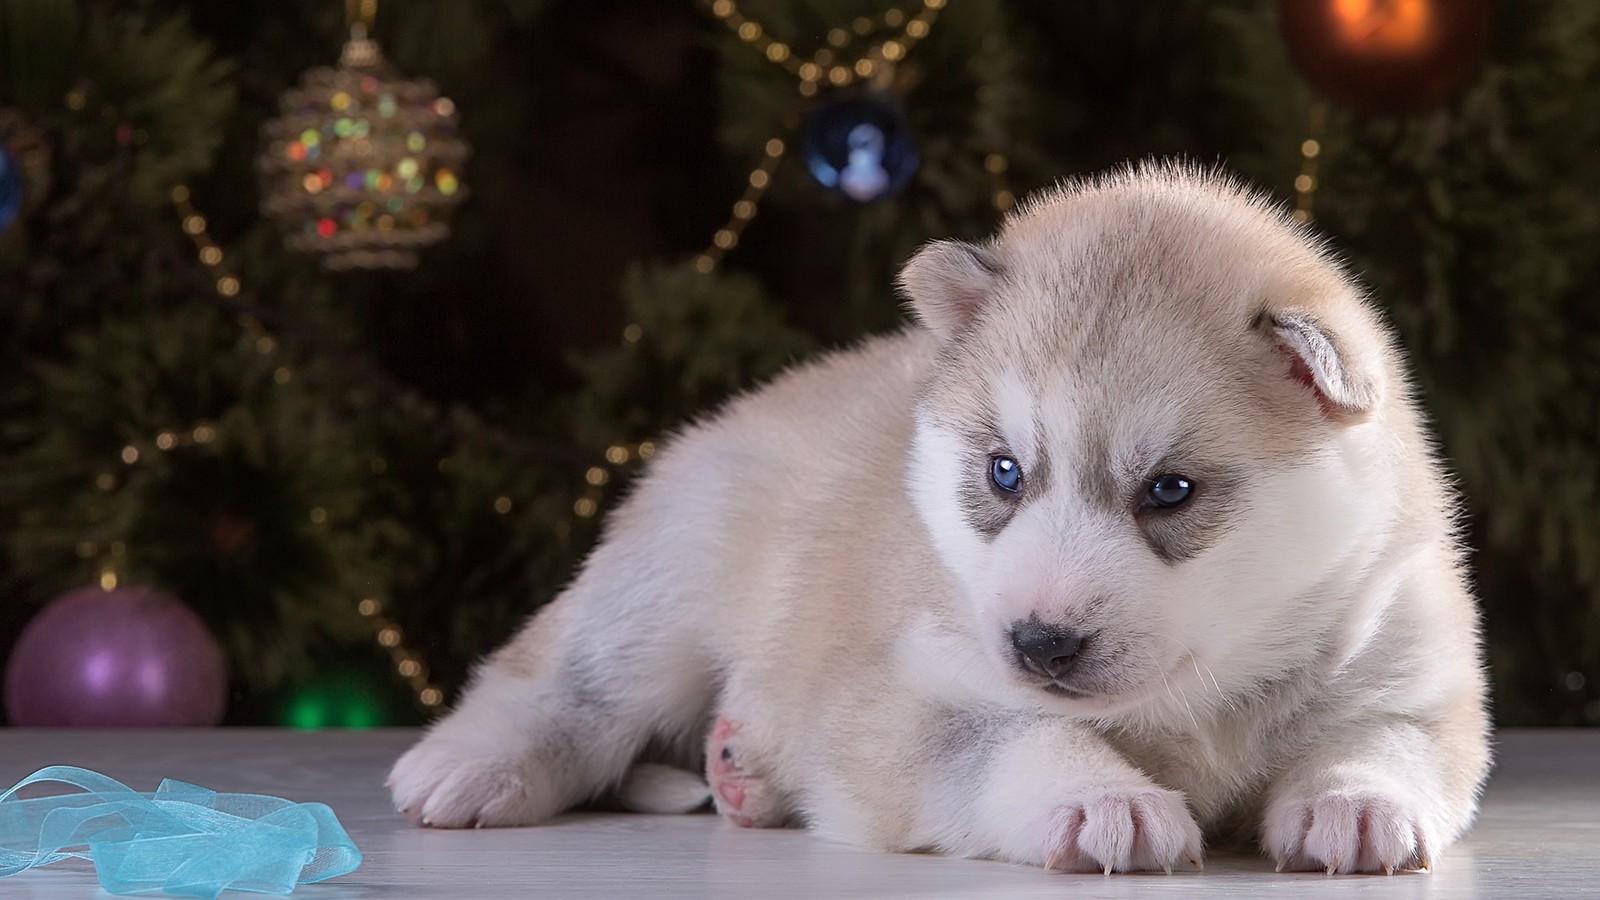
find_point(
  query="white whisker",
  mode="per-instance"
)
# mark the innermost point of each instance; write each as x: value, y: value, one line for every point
x: 1184, y: 694
x: 1208, y: 678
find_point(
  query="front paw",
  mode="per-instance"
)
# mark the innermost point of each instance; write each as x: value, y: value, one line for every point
x: 1347, y: 831
x: 1126, y: 830
x: 447, y: 783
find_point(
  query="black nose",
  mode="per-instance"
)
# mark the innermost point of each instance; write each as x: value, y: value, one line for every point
x: 1048, y: 650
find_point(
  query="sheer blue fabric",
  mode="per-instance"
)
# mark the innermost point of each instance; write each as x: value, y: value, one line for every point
x: 183, y: 839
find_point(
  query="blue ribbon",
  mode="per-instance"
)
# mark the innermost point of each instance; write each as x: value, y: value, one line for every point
x: 182, y: 839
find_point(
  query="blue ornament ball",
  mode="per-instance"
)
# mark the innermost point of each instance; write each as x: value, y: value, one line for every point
x: 10, y: 189
x: 859, y: 144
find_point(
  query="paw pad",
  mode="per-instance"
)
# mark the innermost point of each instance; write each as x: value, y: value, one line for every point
x: 741, y: 796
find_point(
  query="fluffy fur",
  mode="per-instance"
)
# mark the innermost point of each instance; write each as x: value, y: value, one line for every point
x: 827, y: 569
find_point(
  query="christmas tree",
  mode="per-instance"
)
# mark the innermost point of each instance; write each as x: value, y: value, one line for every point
x: 364, y: 455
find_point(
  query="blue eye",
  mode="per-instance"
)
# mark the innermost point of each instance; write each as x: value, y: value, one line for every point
x: 1169, y: 491
x: 1006, y: 474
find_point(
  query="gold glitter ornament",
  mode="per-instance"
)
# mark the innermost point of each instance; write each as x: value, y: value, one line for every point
x: 363, y: 167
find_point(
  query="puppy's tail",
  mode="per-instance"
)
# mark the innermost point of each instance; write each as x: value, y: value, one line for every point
x: 658, y: 788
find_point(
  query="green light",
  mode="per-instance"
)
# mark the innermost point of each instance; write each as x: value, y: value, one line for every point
x: 307, y: 711
x: 337, y: 700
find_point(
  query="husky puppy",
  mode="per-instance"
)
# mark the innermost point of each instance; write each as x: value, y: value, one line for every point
x: 1138, y: 537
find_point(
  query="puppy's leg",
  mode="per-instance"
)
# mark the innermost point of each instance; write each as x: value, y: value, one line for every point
x: 557, y: 715
x: 1378, y: 797
x: 1020, y: 787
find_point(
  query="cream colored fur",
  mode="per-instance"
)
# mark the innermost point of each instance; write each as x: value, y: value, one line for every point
x: 1291, y: 657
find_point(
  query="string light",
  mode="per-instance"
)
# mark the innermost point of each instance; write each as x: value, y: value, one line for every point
x: 108, y: 561
x: 744, y: 210
x: 825, y: 63
x: 1305, y: 184
x: 596, y: 478
x: 1000, y: 195
x: 407, y: 664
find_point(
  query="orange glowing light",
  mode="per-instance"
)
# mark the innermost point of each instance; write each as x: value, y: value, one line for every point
x: 1384, y: 26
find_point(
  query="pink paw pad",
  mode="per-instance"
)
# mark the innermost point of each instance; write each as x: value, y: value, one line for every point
x: 740, y: 796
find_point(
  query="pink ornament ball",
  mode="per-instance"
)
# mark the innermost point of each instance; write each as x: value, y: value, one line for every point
x: 131, y: 657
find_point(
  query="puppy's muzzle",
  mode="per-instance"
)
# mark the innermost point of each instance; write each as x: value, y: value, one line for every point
x: 1047, y: 650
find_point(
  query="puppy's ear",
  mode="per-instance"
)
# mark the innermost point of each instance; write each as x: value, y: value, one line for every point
x: 1344, y: 375
x: 947, y: 282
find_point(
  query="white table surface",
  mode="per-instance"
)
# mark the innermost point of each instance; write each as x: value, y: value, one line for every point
x: 1538, y: 834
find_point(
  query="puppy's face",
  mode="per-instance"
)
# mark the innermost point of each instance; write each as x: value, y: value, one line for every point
x: 1140, y: 457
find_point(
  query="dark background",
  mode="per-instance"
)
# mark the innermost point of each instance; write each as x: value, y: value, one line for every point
x: 610, y: 139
